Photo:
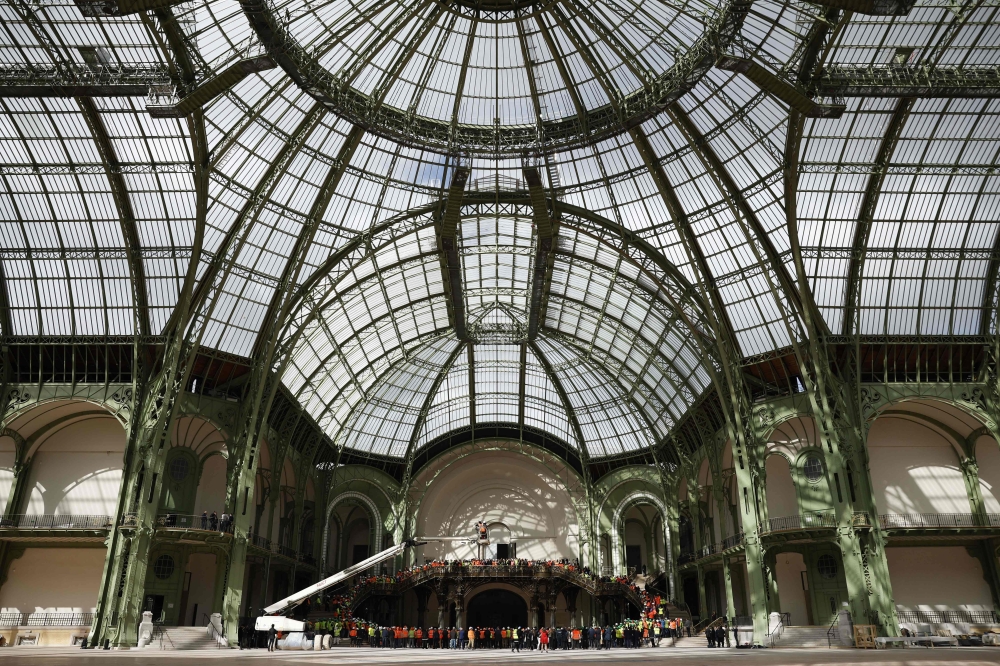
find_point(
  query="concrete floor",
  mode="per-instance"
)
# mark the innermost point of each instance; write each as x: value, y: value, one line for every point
x: 42, y: 656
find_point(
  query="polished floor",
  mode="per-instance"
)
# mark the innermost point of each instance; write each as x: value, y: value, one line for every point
x: 42, y: 656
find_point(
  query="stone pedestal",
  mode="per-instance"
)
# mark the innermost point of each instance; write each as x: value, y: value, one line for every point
x: 145, y: 629
x: 845, y: 627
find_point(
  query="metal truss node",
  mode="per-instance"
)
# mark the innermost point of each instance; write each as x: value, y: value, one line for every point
x: 783, y: 90
x: 871, y: 7
x: 100, y: 8
x: 163, y: 101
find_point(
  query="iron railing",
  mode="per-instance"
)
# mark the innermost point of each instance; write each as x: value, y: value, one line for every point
x: 774, y: 633
x: 195, y: 522
x: 808, y: 521
x: 833, y: 631
x: 937, y: 520
x: 219, y: 637
x: 50, y: 522
x: 260, y: 542
x: 732, y: 541
x: 17, y: 619
x: 951, y: 616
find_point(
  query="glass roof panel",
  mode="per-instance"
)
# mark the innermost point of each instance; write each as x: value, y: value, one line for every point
x: 905, y: 229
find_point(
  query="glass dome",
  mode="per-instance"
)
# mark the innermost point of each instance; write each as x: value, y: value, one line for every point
x: 679, y: 193
x: 497, y: 75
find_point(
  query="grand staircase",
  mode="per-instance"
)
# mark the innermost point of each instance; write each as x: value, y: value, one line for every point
x: 802, y: 637
x: 183, y: 638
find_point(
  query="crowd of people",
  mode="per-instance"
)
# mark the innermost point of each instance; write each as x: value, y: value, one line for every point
x: 628, y: 634
x: 331, y: 616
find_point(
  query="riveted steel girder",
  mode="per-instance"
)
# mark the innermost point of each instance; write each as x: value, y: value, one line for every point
x: 544, y: 243
x: 786, y: 295
x: 72, y: 79
x: 783, y: 90
x: 168, y: 96
x: 164, y: 106
x: 866, y: 216
x: 921, y: 81
x: 561, y: 391
x: 293, y: 267
x: 126, y: 217
x: 451, y: 264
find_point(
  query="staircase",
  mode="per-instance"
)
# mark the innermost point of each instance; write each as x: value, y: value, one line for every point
x: 184, y: 638
x: 802, y: 637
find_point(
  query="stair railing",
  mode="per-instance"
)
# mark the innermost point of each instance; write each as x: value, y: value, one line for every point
x: 159, y: 635
x: 774, y: 633
x: 219, y: 639
x: 833, y: 631
x: 705, y: 625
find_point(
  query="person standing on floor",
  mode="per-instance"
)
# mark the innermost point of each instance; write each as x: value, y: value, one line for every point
x: 271, y: 639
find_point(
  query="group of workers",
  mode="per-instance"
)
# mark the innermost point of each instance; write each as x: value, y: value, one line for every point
x: 628, y: 634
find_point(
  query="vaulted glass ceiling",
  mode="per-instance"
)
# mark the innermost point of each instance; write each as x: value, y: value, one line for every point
x: 355, y: 136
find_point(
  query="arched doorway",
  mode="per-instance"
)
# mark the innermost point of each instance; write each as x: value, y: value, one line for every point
x: 497, y: 608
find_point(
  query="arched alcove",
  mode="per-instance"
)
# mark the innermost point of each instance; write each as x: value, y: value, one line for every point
x: 497, y: 607
x: 781, y: 497
x: 914, y: 450
x: 499, y: 486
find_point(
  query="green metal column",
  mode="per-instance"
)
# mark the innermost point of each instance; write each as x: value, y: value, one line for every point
x: 970, y: 474
x: 702, y: 599
x: 240, y: 502
x: 674, y: 552
x: 727, y: 577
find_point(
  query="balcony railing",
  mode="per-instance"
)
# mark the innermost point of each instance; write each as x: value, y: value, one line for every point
x: 260, y: 542
x: 195, y: 522
x: 47, y: 522
x: 732, y: 541
x: 16, y: 619
x: 809, y: 521
x: 937, y: 520
x: 939, y: 617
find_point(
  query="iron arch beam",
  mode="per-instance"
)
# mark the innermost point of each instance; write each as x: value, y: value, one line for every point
x: 126, y: 216
x: 785, y: 289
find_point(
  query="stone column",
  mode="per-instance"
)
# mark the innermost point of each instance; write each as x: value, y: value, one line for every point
x: 551, y: 607
x: 423, y: 596
x: 459, y: 605
x: 442, y: 600
x: 571, y: 594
